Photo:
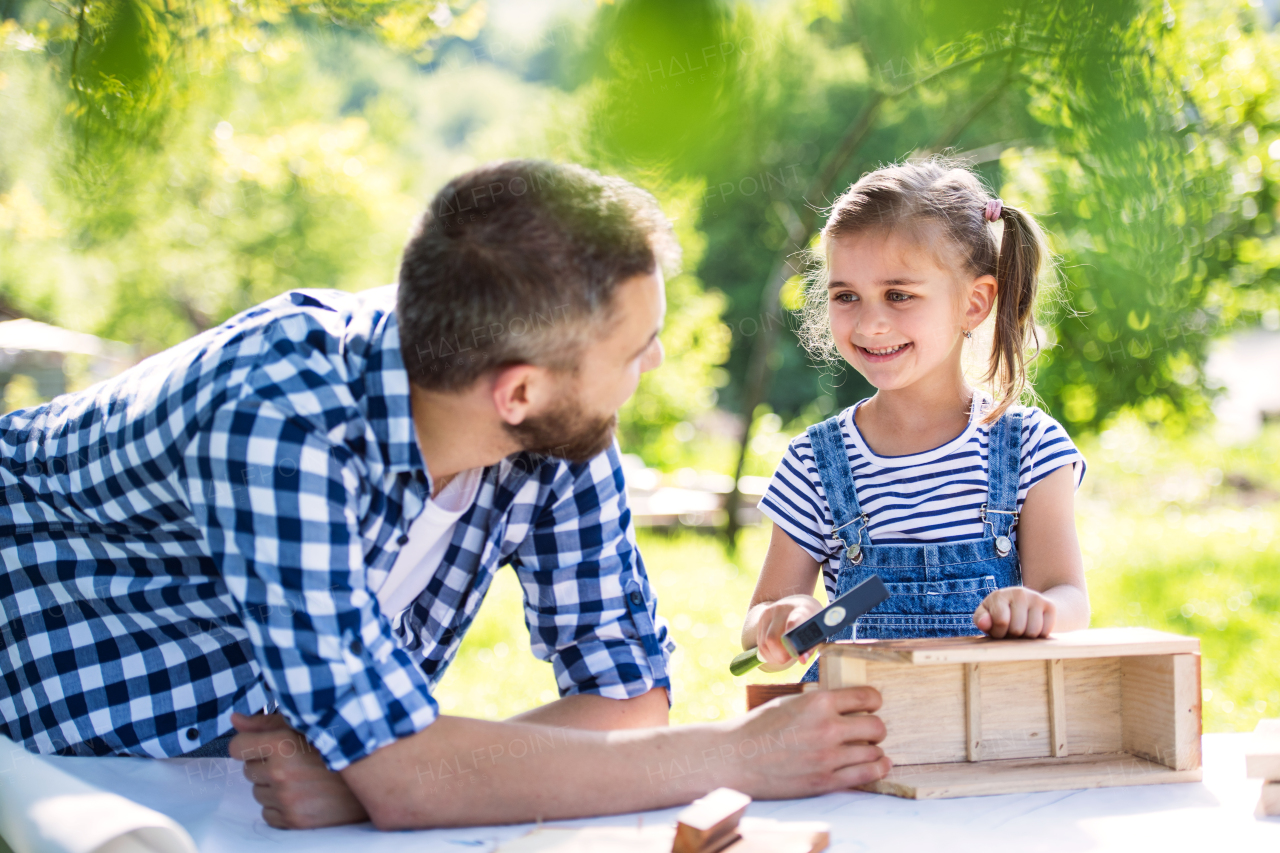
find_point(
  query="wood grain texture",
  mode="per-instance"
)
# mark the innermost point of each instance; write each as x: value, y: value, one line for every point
x: 941, y: 781
x: 836, y: 671
x: 1056, y: 681
x: 1015, y: 710
x: 972, y: 712
x: 1160, y: 708
x: 922, y: 711
x: 1093, y: 705
x: 1095, y: 642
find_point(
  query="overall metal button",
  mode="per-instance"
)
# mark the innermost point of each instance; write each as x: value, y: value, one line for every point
x: 1003, y: 546
x: 855, y: 553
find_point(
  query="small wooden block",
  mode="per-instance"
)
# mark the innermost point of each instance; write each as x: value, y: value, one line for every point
x: 1267, y: 727
x: 758, y: 694
x: 1262, y: 757
x: 1269, y: 802
x: 709, y: 824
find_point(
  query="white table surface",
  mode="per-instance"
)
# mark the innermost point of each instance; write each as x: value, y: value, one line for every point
x: 211, y: 798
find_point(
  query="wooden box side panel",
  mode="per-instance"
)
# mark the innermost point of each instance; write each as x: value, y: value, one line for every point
x: 1093, y: 706
x: 1160, y: 708
x: 1015, y: 710
x: 923, y: 711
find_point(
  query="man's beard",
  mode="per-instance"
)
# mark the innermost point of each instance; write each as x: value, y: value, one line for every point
x: 565, y: 433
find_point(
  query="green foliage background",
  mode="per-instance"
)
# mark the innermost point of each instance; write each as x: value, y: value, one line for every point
x: 165, y: 164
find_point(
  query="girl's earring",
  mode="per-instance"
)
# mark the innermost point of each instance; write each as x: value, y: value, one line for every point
x: 968, y: 333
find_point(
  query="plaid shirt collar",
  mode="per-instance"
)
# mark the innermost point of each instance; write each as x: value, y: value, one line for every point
x: 386, y: 401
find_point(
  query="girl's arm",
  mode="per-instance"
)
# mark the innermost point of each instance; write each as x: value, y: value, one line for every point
x: 1053, y: 596
x: 782, y: 600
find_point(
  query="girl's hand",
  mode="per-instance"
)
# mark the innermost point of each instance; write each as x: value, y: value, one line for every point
x: 1015, y: 611
x: 777, y: 619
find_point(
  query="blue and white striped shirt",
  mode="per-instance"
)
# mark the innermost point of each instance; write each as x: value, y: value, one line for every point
x: 207, y: 532
x: 933, y: 496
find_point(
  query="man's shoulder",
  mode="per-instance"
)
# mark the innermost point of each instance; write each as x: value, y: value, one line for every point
x: 317, y: 318
x: 304, y: 340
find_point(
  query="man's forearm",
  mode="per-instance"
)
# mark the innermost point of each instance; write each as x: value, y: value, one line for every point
x: 596, y: 713
x: 463, y: 772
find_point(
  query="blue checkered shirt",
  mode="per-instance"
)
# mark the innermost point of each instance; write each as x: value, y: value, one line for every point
x: 205, y: 533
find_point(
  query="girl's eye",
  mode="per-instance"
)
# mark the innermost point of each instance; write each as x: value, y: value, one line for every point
x: 845, y: 297
x: 898, y: 296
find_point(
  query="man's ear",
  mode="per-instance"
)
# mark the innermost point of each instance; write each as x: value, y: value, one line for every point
x: 982, y: 298
x: 517, y: 391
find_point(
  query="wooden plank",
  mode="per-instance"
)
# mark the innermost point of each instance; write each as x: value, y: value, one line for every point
x: 1269, y: 802
x: 1095, y: 642
x: 1160, y: 708
x: 1093, y: 705
x: 1056, y: 679
x: 941, y: 781
x: 765, y: 835
x: 972, y: 712
x: 1015, y: 710
x: 759, y: 835
x: 923, y: 711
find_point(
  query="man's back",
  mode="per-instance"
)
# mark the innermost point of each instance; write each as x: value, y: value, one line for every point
x: 112, y: 594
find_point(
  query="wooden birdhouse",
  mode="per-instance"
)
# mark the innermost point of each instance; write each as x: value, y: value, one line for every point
x: 973, y: 715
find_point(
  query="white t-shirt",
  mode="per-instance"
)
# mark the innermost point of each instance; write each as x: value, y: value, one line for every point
x: 933, y: 496
x: 429, y: 538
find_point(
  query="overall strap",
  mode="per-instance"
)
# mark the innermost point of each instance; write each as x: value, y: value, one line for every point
x: 837, y: 481
x: 1004, y: 464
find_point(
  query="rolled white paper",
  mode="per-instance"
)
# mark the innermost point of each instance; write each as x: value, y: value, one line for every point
x: 44, y: 810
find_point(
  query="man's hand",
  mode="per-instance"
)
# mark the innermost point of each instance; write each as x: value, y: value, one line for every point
x: 777, y: 619
x: 828, y: 743
x: 1016, y: 611
x: 290, y: 780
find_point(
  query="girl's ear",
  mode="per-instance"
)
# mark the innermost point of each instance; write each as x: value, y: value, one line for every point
x: 981, y: 299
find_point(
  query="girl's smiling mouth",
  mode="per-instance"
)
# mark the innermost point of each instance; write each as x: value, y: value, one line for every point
x: 880, y: 354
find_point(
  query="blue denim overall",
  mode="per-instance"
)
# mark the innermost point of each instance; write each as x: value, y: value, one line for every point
x: 933, y: 588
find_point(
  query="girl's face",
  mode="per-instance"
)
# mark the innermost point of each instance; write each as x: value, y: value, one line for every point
x: 895, y: 315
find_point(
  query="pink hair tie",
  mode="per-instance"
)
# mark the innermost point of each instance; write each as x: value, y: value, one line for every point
x: 994, y: 208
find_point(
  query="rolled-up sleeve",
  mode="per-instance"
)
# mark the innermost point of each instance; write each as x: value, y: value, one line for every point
x: 588, y: 603
x: 280, y: 503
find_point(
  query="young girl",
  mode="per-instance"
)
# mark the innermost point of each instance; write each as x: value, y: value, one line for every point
x: 960, y: 501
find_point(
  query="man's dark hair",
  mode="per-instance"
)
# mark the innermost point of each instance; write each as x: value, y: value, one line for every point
x: 517, y: 263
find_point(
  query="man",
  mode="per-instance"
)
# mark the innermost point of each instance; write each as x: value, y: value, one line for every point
x: 301, y: 510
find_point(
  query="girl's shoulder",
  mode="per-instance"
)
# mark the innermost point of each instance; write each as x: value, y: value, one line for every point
x: 1036, y: 421
x: 1046, y: 446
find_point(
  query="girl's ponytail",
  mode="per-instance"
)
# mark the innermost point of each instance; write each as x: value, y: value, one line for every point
x: 1022, y: 251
